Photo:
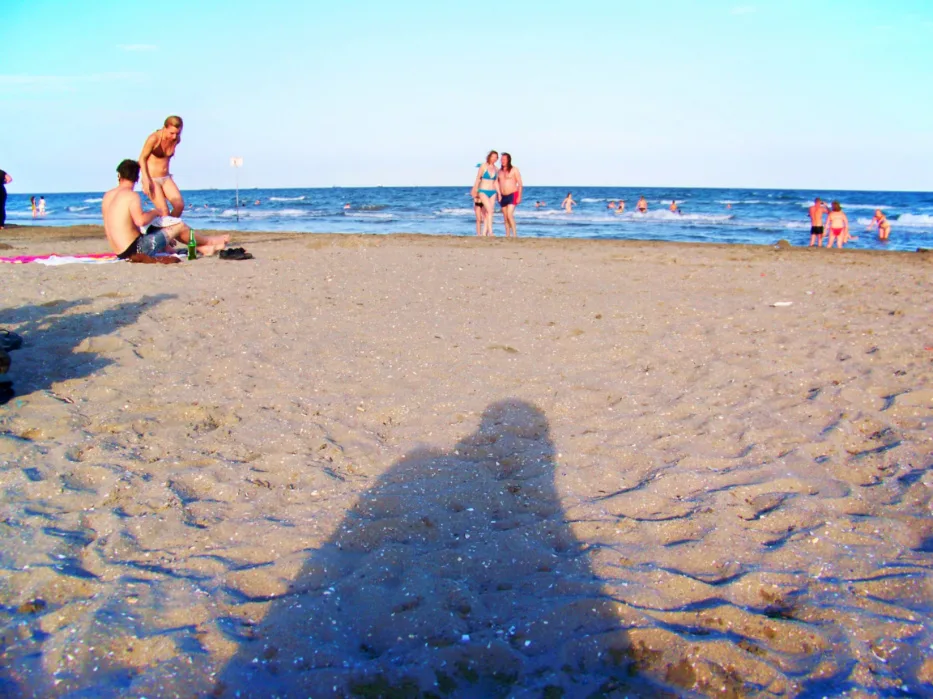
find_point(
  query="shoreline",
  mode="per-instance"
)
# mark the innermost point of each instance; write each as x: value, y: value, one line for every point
x: 14, y: 234
x: 395, y: 461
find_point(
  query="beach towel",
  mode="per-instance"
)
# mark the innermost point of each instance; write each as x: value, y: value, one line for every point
x: 54, y: 260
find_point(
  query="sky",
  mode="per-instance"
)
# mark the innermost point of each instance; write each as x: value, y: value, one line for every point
x: 817, y: 94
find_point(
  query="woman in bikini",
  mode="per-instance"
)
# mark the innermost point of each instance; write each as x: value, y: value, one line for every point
x: 838, y: 224
x: 154, y: 160
x: 510, y: 184
x: 486, y: 189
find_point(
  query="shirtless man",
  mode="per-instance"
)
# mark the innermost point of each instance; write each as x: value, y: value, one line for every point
x: 568, y: 203
x: 124, y: 217
x: 510, y: 191
x: 838, y: 224
x: 154, y: 163
x: 673, y: 207
x: 816, y: 222
x: 642, y: 205
x: 884, y: 226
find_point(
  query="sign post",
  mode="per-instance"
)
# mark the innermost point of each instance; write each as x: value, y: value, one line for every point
x: 236, y: 164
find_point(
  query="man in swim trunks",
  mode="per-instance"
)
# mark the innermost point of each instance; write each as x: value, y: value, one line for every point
x: 884, y: 226
x: 816, y: 222
x: 154, y: 163
x: 124, y: 218
x: 568, y: 203
x: 510, y: 193
x: 642, y: 205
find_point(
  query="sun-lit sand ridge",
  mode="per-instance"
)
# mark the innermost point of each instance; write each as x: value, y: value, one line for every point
x: 469, y: 467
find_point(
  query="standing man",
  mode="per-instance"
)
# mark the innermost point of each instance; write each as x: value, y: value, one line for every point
x: 5, y: 179
x: 154, y: 166
x: 510, y: 190
x: 816, y: 222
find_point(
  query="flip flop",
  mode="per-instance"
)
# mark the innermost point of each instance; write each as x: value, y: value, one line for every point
x: 10, y: 341
x: 235, y: 254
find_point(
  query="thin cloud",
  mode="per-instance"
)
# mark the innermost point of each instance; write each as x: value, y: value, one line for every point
x: 61, y: 83
x: 743, y: 10
x: 137, y: 47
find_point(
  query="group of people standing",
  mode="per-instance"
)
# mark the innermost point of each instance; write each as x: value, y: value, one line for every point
x: 37, y: 206
x: 502, y: 185
x: 838, y: 224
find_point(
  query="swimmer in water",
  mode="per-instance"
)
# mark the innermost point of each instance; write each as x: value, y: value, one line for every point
x: 673, y: 207
x: 884, y: 226
x: 642, y: 205
x: 611, y: 205
x: 568, y: 203
x: 621, y: 207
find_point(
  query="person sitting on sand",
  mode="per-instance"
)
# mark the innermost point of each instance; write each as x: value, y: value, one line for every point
x: 642, y: 205
x: 884, y: 226
x: 568, y: 203
x: 124, y: 219
x: 838, y: 224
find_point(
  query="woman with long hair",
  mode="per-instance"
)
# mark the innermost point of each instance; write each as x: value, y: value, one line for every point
x: 510, y: 185
x: 486, y: 189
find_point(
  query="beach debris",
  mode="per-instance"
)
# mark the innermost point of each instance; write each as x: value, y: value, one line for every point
x: 782, y: 304
x: 782, y: 244
x: 32, y: 606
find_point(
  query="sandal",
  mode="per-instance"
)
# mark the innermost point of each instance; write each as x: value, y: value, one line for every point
x: 235, y: 254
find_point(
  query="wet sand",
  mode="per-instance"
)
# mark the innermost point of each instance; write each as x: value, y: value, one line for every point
x: 434, y: 466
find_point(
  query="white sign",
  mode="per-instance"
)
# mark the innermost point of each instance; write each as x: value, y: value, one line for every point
x: 236, y: 162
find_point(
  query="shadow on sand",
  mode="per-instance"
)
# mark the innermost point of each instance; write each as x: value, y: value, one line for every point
x: 456, y: 575
x: 52, y: 334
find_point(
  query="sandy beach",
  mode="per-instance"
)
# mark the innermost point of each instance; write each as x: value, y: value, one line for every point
x: 401, y: 466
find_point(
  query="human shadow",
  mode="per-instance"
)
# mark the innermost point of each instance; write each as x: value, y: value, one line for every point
x: 455, y: 575
x: 57, y: 342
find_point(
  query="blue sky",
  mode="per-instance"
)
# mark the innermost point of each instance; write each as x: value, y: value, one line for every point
x: 776, y: 93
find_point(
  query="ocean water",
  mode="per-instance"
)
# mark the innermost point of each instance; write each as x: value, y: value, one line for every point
x: 707, y: 215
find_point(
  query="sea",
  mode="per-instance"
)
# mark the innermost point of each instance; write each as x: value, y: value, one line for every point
x: 736, y: 216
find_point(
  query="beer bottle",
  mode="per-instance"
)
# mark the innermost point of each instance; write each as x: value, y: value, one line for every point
x: 192, y: 246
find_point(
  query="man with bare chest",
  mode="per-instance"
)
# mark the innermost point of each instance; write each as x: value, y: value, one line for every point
x: 124, y: 221
x: 154, y: 165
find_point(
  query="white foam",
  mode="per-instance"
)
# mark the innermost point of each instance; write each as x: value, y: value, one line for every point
x: 252, y: 213
x: 98, y: 200
x: 913, y: 221
x: 301, y: 198
x: 76, y: 209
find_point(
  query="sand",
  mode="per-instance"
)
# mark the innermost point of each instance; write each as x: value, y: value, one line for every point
x: 430, y: 466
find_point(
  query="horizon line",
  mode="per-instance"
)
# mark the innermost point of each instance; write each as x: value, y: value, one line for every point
x: 553, y: 186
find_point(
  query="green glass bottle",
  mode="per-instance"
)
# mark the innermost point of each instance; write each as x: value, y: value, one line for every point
x: 192, y: 246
